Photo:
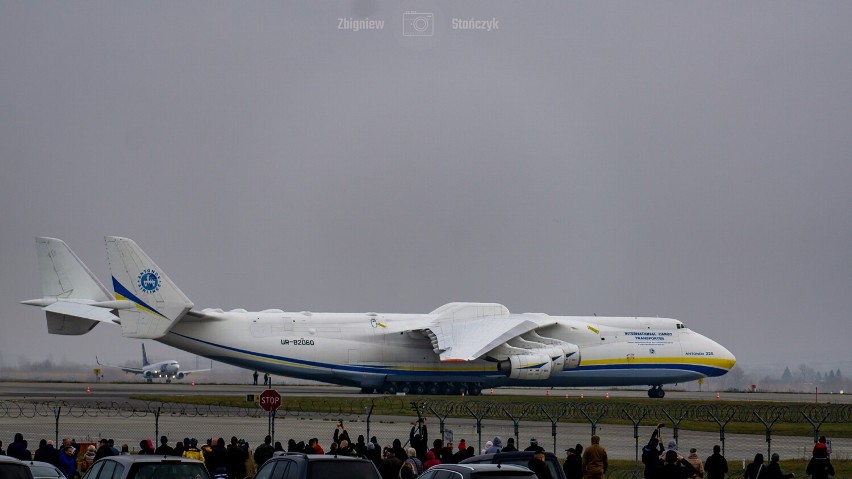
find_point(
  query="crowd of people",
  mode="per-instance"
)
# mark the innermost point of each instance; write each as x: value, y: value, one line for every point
x: 237, y: 460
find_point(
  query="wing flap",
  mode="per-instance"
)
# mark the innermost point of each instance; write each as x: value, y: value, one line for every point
x: 469, y: 339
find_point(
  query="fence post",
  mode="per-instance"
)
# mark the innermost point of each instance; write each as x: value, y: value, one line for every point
x: 815, y: 425
x: 721, y: 427
x: 768, y: 427
x: 515, y: 420
x: 369, y: 416
x: 56, y: 411
x: 675, y: 425
x: 593, y: 422
x: 635, y: 436
x: 441, y: 420
x: 553, y: 423
x: 478, y: 422
x: 157, y: 424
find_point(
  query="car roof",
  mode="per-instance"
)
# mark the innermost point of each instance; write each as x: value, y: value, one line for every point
x: 502, y: 456
x: 11, y: 460
x: 318, y: 457
x: 39, y: 463
x: 480, y: 467
x: 149, y: 458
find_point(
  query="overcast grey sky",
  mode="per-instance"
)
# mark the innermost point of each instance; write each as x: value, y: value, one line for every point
x: 681, y: 159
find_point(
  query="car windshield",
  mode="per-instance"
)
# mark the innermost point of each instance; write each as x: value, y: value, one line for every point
x: 347, y: 469
x: 175, y: 470
x: 15, y: 471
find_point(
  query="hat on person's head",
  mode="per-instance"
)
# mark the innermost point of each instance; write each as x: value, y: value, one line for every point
x: 462, y: 445
x: 370, y: 446
x: 570, y: 449
x: 775, y: 457
x: 533, y: 441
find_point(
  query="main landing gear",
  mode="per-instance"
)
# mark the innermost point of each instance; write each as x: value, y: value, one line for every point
x: 656, y: 392
x: 448, y: 389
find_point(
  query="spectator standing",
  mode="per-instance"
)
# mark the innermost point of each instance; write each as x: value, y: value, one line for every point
x: 216, y: 460
x: 390, y: 466
x: 264, y: 452
x: 68, y: 462
x: 416, y: 463
x: 164, y: 449
x: 716, y: 466
x: 595, y: 461
x: 819, y: 467
x: 236, y: 460
x: 534, y: 446
x: 461, y: 454
x: 698, y: 464
x: 18, y: 448
x: 431, y: 460
x: 510, y: 445
x: 573, y: 465
x: 674, y: 466
x: 496, y: 446
x: 193, y: 452
x: 754, y: 469
x: 538, y: 466
x: 652, y: 452
x: 419, y: 440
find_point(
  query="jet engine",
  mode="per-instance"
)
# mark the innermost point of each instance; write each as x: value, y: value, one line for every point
x: 180, y: 375
x: 148, y: 374
x: 527, y: 366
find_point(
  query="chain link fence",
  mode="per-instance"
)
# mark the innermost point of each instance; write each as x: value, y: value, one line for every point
x: 624, y: 427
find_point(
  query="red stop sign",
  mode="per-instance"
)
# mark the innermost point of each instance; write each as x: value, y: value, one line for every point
x: 270, y: 400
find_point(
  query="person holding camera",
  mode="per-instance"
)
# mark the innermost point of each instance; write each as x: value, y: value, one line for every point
x: 653, y: 451
x: 419, y: 438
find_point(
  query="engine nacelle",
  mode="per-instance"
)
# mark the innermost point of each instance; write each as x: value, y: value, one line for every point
x: 527, y: 366
x: 571, y: 356
x: 180, y: 375
x: 148, y: 374
x: 557, y: 358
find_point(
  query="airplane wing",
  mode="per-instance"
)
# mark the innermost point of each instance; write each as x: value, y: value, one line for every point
x: 127, y: 370
x: 467, y: 331
x: 186, y: 373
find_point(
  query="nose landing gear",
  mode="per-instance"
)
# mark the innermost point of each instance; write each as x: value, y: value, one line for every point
x: 656, y: 392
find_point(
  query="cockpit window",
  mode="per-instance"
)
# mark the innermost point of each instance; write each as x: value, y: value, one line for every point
x: 680, y: 326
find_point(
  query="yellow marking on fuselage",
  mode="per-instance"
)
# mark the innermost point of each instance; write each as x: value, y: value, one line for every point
x: 715, y: 362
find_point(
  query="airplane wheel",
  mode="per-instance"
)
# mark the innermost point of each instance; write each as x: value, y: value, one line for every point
x: 150, y: 380
x: 390, y: 388
x: 661, y: 394
x: 432, y: 389
x: 419, y: 388
x: 448, y: 389
x: 474, y: 389
x: 461, y: 389
x: 405, y: 388
x: 168, y: 380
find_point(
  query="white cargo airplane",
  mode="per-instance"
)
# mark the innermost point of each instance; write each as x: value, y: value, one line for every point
x: 168, y: 370
x: 459, y: 347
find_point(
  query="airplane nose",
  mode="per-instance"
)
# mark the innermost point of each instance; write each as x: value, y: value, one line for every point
x: 727, y: 357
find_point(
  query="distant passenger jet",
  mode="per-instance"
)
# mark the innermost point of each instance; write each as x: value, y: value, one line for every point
x: 167, y: 370
x: 457, y: 348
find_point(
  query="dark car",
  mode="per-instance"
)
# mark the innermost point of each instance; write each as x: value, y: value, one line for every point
x: 291, y: 465
x: 521, y: 458
x: 11, y: 468
x: 145, y: 466
x: 477, y: 471
x: 44, y: 470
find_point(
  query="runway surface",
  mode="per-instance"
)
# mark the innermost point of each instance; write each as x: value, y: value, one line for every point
x: 119, y: 391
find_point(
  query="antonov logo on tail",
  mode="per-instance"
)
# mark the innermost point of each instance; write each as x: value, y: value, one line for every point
x: 149, y: 281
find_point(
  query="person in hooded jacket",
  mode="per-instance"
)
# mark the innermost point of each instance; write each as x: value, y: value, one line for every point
x: 819, y: 467
x: 496, y: 446
x: 398, y: 450
x: 716, y: 466
x: 419, y: 440
x: 431, y: 460
x: 18, y: 448
x: 461, y: 454
x: 573, y: 465
x: 510, y: 445
x: 652, y: 452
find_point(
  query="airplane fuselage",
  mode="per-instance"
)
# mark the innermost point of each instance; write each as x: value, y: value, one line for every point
x: 375, y: 350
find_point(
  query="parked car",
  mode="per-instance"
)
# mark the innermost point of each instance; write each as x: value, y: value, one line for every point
x: 521, y: 458
x: 477, y: 471
x: 44, y: 470
x: 147, y: 467
x: 11, y: 468
x: 290, y: 465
